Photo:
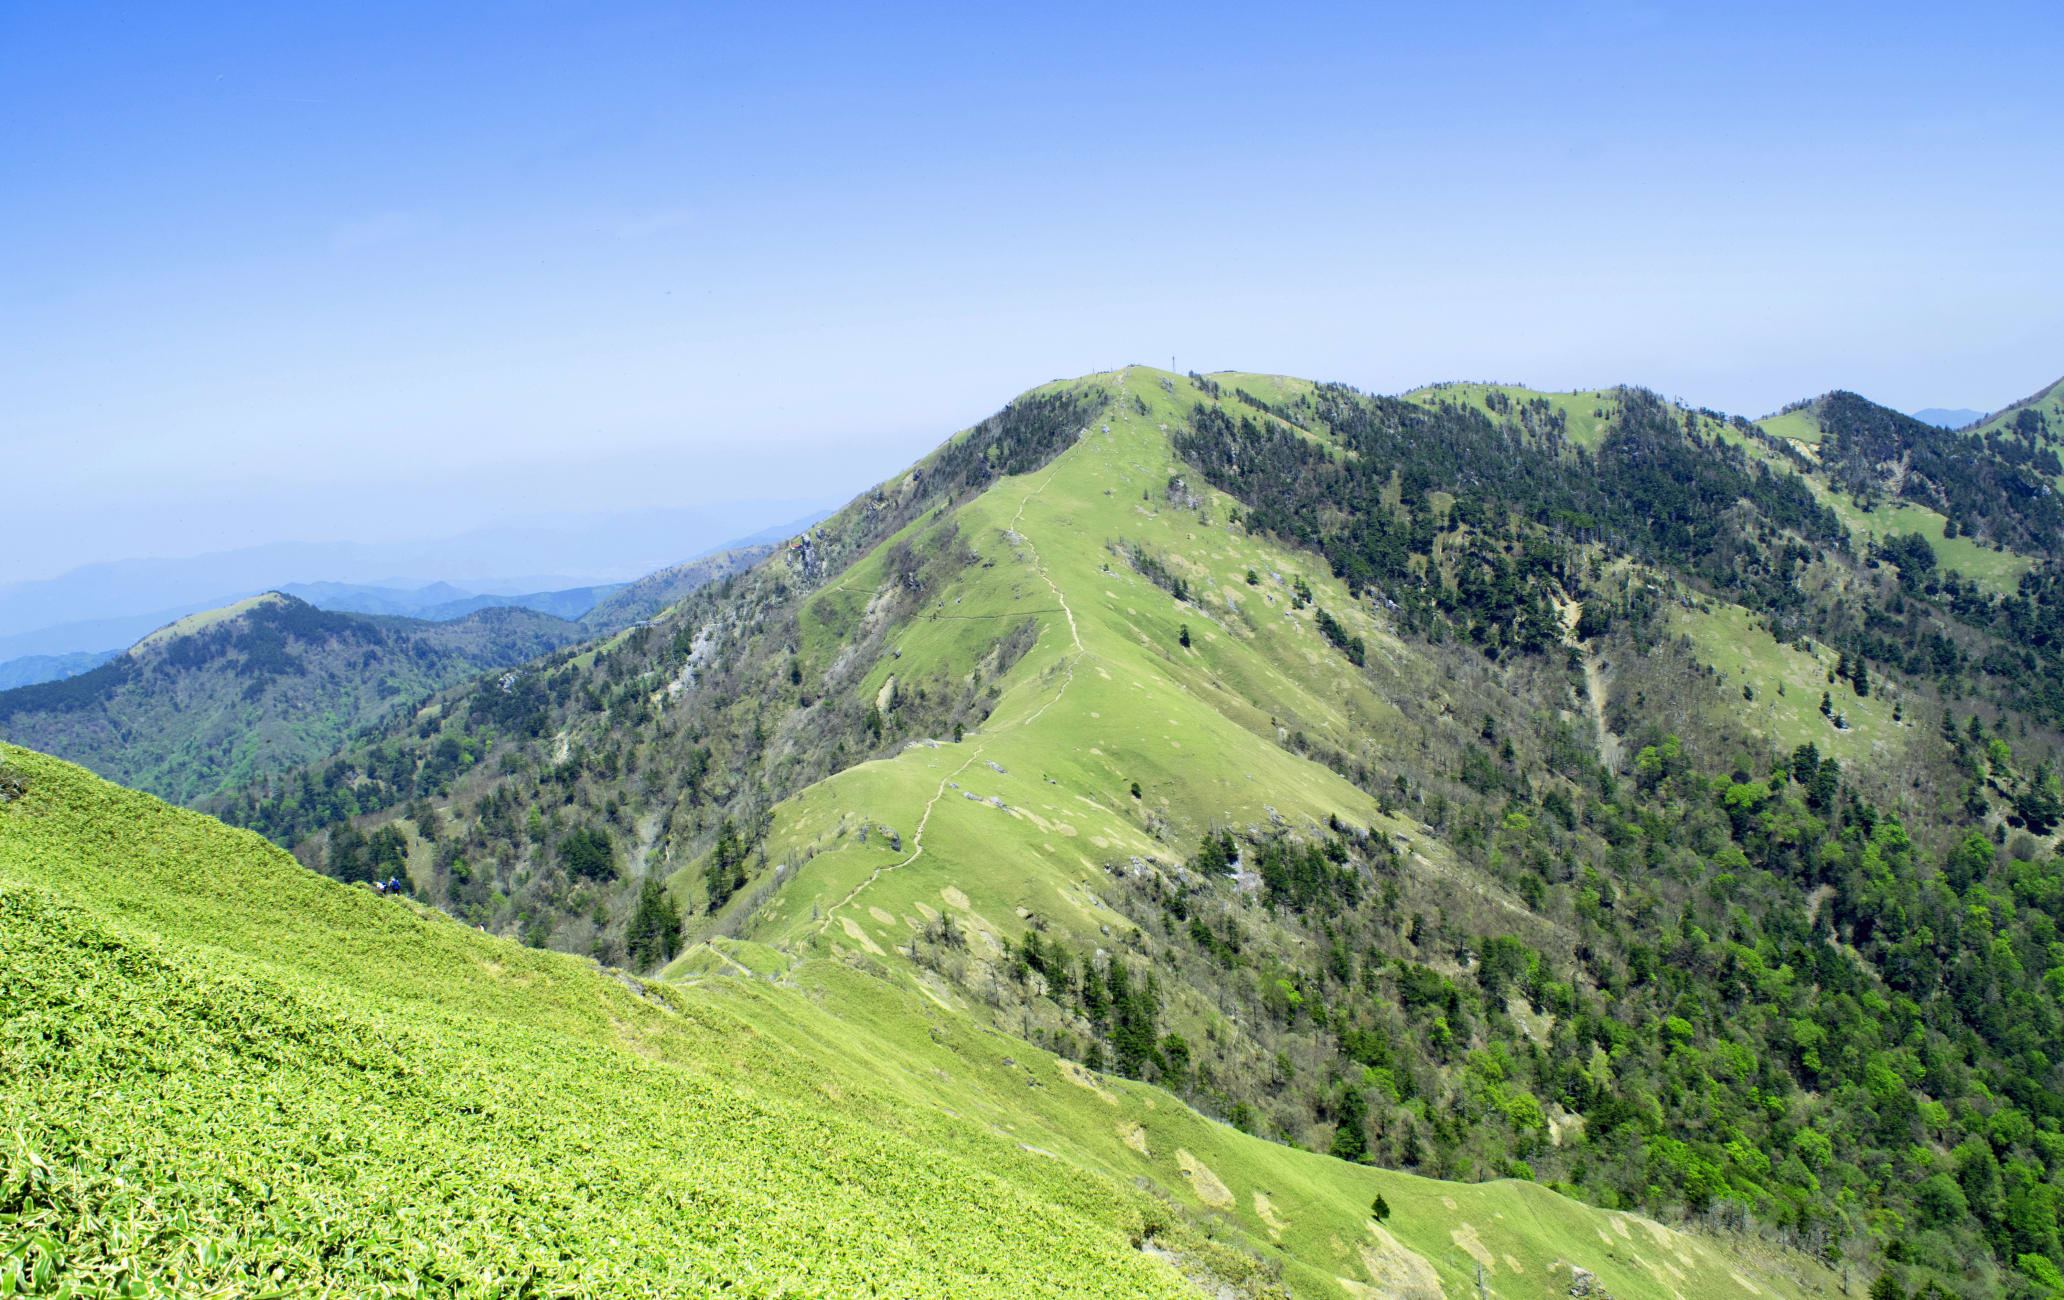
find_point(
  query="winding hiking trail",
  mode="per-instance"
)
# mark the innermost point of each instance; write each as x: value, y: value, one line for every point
x: 729, y: 960
x: 1039, y: 567
x: 916, y: 844
x: 924, y: 819
x: 1068, y: 662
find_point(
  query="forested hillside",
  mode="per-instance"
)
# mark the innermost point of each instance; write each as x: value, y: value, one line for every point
x: 225, y: 697
x: 219, y: 698
x: 1571, y: 788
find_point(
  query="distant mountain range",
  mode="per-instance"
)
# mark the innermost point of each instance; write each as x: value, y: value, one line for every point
x: 30, y: 669
x: 435, y: 602
x: 103, y: 606
x: 1948, y: 417
x: 223, y: 696
x: 438, y: 601
x: 640, y: 600
x: 226, y: 695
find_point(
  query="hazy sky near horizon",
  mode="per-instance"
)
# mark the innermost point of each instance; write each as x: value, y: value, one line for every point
x: 382, y: 270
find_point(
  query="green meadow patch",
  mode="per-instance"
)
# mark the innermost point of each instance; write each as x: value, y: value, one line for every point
x: 1793, y: 426
x: 1586, y: 411
x: 1997, y: 570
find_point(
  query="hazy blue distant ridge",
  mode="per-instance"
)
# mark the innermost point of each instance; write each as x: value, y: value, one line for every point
x: 114, y: 603
x: 440, y: 601
x: 1948, y: 417
x: 31, y: 670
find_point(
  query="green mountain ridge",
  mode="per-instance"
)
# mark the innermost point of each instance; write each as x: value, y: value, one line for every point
x: 217, y: 698
x: 1533, y: 791
x: 2040, y: 416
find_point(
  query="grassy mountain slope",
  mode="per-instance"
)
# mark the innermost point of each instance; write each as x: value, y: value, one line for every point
x: 1107, y: 697
x: 1994, y: 481
x: 1030, y: 823
x: 2040, y: 415
x: 1864, y: 470
x: 216, y: 698
x: 224, y: 1074
x: 230, y: 1073
x: 1796, y: 424
x: 1414, y: 779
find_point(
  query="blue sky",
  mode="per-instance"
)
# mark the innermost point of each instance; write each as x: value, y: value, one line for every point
x: 327, y: 272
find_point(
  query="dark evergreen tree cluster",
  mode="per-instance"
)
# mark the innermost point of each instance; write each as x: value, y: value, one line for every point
x: 358, y: 858
x: 1663, y: 488
x: 654, y: 934
x: 588, y: 854
x: 1121, y: 1008
x: 725, y: 871
x: 1998, y: 487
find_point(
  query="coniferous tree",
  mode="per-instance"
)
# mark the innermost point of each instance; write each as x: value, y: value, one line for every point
x: 654, y: 934
x: 725, y: 871
x: 1350, y: 1136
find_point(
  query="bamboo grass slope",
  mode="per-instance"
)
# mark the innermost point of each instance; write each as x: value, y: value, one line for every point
x: 224, y: 1075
